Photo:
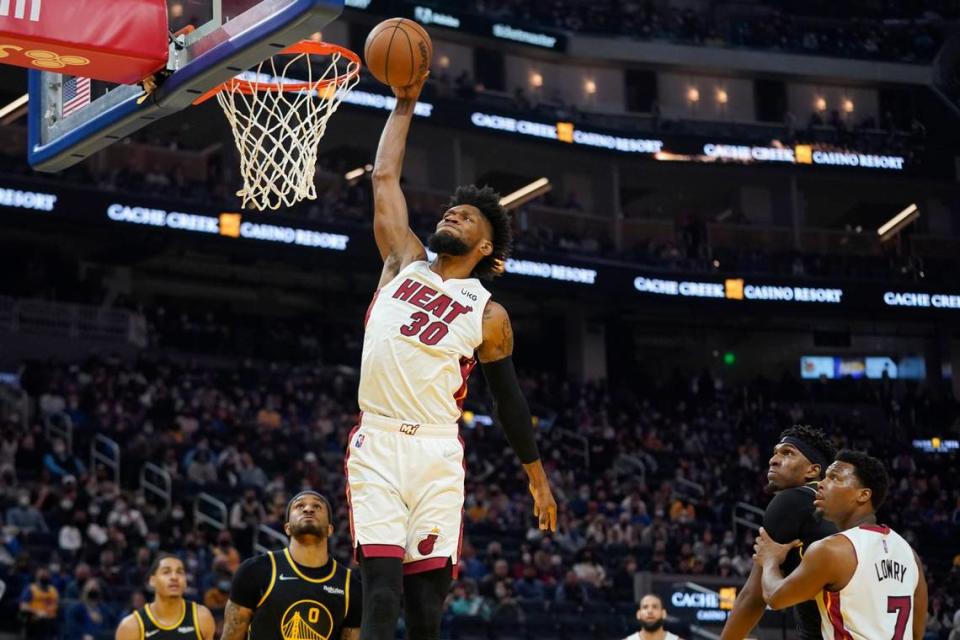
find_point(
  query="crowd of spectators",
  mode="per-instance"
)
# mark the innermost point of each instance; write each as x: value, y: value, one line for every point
x: 902, y: 31
x: 665, y: 462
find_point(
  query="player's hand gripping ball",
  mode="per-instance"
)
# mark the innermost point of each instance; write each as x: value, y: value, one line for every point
x: 398, y: 52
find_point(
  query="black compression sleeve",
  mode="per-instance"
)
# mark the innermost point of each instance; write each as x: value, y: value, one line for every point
x: 512, y: 408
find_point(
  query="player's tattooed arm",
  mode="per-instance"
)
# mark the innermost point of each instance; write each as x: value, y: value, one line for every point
x: 350, y: 634
x: 236, y: 621
x: 497, y: 334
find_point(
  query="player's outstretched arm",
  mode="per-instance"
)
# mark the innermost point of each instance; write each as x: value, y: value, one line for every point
x: 495, y: 355
x: 129, y: 629
x: 920, y: 602
x: 236, y: 621
x: 747, y: 609
x: 397, y: 243
x: 208, y: 626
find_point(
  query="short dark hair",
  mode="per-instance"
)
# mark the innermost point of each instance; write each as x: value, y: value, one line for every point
x: 651, y: 594
x: 488, y: 202
x: 311, y: 492
x: 155, y: 566
x: 870, y: 472
x: 814, y: 437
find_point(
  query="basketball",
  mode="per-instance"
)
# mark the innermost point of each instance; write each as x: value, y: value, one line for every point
x: 398, y: 51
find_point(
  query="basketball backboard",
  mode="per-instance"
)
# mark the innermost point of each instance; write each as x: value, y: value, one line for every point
x: 210, y: 42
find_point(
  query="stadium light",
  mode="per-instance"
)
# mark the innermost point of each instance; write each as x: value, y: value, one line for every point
x: 14, y: 106
x: 354, y: 174
x: 897, y: 223
x: 525, y: 194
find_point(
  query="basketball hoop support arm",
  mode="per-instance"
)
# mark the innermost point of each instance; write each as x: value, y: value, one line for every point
x: 223, y: 53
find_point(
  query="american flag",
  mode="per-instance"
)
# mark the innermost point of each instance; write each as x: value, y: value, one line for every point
x: 76, y: 94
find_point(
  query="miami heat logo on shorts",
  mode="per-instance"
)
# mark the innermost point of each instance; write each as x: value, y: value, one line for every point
x: 306, y: 620
x: 428, y: 542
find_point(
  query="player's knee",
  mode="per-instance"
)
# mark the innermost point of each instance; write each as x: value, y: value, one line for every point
x: 381, y: 603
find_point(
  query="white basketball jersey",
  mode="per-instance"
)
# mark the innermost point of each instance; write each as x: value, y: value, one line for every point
x: 418, y: 348
x: 878, y: 600
x: 667, y: 636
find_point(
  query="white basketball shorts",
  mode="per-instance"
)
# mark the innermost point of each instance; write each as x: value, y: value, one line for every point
x: 405, y: 492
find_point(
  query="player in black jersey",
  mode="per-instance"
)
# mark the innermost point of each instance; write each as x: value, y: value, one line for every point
x: 169, y: 616
x: 300, y: 593
x: 798, y: 463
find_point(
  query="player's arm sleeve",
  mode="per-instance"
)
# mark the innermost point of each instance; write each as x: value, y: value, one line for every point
x: 355, y: 606
x: 495, y: 354
x: 251, y: 581
x: 786, y: 514
x: 747, y: 609
x: 920, y: 602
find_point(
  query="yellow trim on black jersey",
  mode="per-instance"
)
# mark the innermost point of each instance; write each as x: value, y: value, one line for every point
x: 196, y: 621
x: 183, y: 614
x: 346, y: 596
x: 143, y: 629
x: 293, y: 565
x: 273, y: 579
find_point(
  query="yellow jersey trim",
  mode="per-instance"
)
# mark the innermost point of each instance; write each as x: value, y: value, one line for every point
x: 346, y: 596
x: 196, y: 621
x: 183, y: 614
x: 143, y: 630
x: 273, y: 579
x: 293, y: 565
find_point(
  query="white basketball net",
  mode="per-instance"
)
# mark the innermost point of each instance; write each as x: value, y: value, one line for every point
x: 277, y: 132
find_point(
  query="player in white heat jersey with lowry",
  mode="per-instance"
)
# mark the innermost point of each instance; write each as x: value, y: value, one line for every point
x: 867, y: 581
x: 428, y: 325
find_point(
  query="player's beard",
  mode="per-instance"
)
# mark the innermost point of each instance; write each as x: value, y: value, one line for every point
x: 656, y: 625
x: 446, y: 244
x: 315, y: 528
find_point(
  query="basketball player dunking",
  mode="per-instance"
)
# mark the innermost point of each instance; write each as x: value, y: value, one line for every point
x: 428, y: 325
x: 300, y: 593
x: 867, y: 581
x: 798, y: 462
x: 169, y: 616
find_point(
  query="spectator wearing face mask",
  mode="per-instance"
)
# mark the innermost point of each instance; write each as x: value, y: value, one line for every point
x: 61, y: 463
x: 39, y: 604
x: 88, y: 619
x: 25, y: 517
x: 226, y: 550
x: 245, y: 518
x: 81, y: 574
x: 216, y: 596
